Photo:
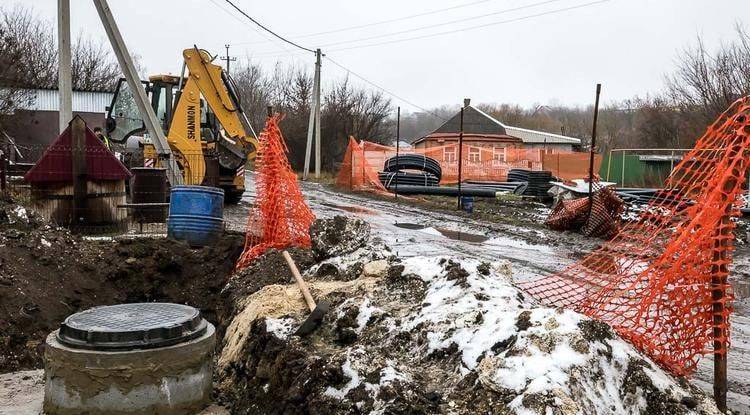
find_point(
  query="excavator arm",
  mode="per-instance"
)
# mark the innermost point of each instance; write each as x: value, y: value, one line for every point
x: 240, y: 142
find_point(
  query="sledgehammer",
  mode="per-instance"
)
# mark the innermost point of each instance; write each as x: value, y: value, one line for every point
x: 316, y: 311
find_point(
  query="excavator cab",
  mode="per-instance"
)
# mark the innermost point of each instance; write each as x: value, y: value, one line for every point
x: 124, y: 120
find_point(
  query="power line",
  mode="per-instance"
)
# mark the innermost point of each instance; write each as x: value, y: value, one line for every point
x: 382, y: 89
x: 465, y: 19
x: 237, y: 18
x: 450, y: 22
x: 267, y: 29
x: 397, y: 19
x: 472, y: 27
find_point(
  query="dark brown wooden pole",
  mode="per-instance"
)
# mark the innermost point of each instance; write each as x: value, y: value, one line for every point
x: 718, y: 295
x: 398, y: 146
x: 593, y: 146
x: 78, y: 158
x: 719, y: 274
x: 460, y: 154
x: 719, y: 281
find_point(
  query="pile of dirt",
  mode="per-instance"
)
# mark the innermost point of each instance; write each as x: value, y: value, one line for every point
x: 330, y: 238
x: 433, y: 335
x: 47, y: 273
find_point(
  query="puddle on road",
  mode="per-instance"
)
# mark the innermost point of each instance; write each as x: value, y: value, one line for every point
x: 448, y: 233
x: 741, y: 288
x: 352, y: 209
x: 462, y: 236
x: 406, y: 225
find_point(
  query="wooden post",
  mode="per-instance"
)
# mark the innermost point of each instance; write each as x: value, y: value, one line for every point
x: 398, y: 144
x: 719, y: 281
x: 593, y: 148
x: 78, y: 157
x: 460, y: 154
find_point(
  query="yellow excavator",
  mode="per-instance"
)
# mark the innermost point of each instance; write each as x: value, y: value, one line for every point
x: 202, y: 117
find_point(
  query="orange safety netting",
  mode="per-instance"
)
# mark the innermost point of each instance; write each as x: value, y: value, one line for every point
x: 661, y: 282
x: 362, y: 162
x: 596, y: 216
x: 280, y: 217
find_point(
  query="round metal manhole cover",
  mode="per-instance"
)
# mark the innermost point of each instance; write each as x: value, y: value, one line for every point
x: 132, y: 326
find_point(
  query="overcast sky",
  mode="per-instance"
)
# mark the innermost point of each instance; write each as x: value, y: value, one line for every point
x: 555, y: 57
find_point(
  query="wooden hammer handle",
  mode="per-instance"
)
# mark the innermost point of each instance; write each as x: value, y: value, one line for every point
x: 298, y: 277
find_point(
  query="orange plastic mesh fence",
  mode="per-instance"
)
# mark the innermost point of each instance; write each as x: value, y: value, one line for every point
x: 356, y: 172
x: 600, y: 220
x: 362, y: 162
x: 280, y: 217
x: 661, y: 282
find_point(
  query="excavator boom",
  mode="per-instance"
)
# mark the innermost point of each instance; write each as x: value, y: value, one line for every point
x: 219, y: 93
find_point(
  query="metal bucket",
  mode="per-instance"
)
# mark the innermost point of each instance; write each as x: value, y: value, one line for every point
x: 467, y: 203
x: 148, y: 185
x: 196, y: 214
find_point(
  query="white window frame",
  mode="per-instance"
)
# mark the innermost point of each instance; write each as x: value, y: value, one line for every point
x: 449, y: 154
x: 475, y: 152
x: 497, y: 159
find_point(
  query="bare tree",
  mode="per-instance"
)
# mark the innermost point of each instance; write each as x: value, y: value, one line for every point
x: 345, y: 110
x: 706, y: 83
x: 350, y: 111
x: 92, y: 66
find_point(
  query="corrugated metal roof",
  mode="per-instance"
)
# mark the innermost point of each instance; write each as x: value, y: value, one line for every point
x: 48, y: 100
x: 533, y: 136
x: 478, y: 121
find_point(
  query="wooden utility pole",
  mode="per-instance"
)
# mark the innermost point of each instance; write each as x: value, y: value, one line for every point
x: 228, y: 58
x: 64, y: 74
x: 153, y: 126
x: 313, y: 126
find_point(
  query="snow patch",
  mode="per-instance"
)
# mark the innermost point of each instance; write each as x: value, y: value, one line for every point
x: 354, y: 381
x: 280, y: 327
x: 365, y: 312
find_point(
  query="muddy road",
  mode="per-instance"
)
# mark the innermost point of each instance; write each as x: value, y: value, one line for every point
x: 532, y: 250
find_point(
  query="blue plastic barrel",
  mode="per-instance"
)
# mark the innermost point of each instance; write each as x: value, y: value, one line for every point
x: 196, y: 214
x: 467, y: 203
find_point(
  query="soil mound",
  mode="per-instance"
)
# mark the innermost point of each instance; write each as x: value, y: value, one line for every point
x: 435, y: 335
x: 47, y: 273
